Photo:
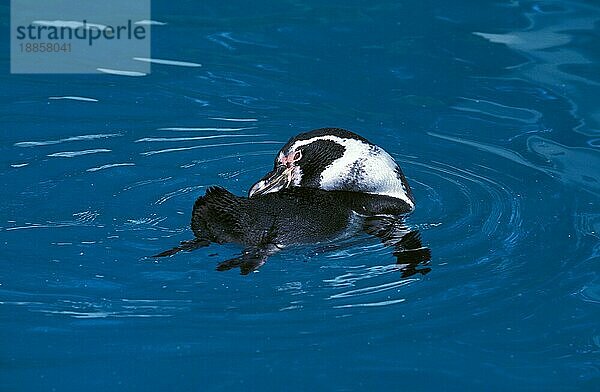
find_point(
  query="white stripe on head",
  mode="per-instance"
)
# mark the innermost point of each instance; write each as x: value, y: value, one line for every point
x: 377, y: 168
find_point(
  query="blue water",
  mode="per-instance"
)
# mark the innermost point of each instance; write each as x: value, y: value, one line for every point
x: 492, y: 110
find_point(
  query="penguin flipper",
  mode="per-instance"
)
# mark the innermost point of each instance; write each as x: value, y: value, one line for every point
x: 187, y: 246
x: 250, y: 260
x: 408, y: 249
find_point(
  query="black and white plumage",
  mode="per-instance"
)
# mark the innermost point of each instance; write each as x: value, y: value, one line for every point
x: 337, y: 159
x: 326, y: 184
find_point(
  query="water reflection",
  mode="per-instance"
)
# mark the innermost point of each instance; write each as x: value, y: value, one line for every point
x: 555, y: 56
x: 577, y: 166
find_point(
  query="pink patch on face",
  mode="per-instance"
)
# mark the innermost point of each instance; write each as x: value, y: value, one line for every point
x: 287, y: 160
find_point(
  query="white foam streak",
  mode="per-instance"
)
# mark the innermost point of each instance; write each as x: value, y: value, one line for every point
x: 148, y: 153
x: 38, y: 226
x: 499, y: 151
x: 120, y: 72
x: 71, y: 154
x: 149, y: 22
x: 234, y: 119
x: 167, y: 62
x: 186, y: 129
x: 185, y: 139
x: 371, y: 304
x: 373, y: 289
x: 68, y: 139
x: 93, y: 169
x: 74, y: 98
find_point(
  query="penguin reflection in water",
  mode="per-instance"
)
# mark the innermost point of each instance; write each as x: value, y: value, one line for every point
x: 326, y: 185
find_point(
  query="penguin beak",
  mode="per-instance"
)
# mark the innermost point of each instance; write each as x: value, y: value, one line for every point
x: 279, y: 178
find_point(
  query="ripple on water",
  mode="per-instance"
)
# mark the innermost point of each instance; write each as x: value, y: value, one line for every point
x: 68, y: 139
x: 482, y: 205
x: 73, y: 98
x: 167, y: 62
x: 360, y: 286
x: 228, y: 41
x: 572, y: 165
x: 84, y: 308
x: 120, y: 72
x: 370, y: 289
x: 72, y: 154
x: 234, y: 119
x: 150, y: 22
x: 230, y: 156
x: 176, y: 193
x: 178, y: 149
x: 498, y: 111
x: 463, y: 200
x: 109, y: 166
x: 84, y: 218
x: 194, y: 138
x: 203, y: 129
x: 145, y: 223
x: 591, y: 293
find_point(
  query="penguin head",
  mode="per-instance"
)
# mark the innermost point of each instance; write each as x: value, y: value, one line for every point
x: 335, y: 159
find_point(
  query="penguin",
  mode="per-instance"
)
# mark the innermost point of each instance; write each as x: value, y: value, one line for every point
x: 268, y: 223
x: 337, y: 159
x: 325, y: 185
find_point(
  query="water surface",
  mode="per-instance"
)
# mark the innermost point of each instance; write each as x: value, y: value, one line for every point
x: 491, y: 108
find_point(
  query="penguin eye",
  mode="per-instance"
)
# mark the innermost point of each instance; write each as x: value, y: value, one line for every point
x: 297, y: 155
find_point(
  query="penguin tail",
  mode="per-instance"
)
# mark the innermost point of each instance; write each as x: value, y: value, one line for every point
x: 217, y: 215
